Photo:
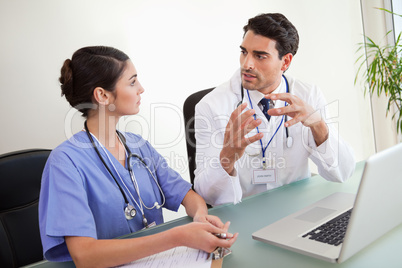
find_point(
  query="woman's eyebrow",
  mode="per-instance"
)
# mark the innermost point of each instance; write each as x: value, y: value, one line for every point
x: 134, y: 76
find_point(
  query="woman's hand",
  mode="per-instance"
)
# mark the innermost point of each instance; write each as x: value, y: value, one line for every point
x: 214, y: 220
x: 203, y: 236
x: 196, y: 208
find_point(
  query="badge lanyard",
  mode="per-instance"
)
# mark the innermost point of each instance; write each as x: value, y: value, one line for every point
x: 264, y: 162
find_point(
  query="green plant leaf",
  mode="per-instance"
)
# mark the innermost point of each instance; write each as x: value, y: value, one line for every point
x: 380, y: 67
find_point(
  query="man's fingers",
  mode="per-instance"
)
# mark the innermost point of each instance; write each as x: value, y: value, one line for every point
x: 247, y: 127
x: 289, y: 98
x: 241, y: 120
x: 292, y: 122
x: 250, y: 124
x: 237, y: 111
x: 237, y: 118
x: 250, y: 140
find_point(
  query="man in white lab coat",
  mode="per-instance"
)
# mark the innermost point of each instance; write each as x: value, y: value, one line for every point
x: 245, y: 146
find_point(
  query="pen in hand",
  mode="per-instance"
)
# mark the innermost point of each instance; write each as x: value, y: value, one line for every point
x: 221, y: 235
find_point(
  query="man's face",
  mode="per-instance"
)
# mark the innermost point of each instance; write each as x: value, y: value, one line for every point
x: 261, y: 68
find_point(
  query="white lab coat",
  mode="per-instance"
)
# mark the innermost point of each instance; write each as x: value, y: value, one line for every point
x: 334, y: 158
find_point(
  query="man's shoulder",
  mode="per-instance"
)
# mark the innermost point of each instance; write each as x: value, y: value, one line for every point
x: 221, y: 92
x: 301, y: 88
x: 220, y: 99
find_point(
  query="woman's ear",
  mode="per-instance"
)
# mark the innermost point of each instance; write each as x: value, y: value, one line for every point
x: 101, y: 96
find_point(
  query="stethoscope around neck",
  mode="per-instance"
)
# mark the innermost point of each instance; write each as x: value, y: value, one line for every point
x: 129, y: 211
x: 289, y: 140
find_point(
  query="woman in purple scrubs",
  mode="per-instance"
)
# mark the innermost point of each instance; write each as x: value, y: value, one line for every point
x: 102, y: 183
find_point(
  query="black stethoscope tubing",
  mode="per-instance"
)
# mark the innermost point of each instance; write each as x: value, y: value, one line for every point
x: 104, y: 163
x: 129, y: 211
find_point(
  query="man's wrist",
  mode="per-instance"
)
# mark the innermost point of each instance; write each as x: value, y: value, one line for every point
x: 320, y: 132
x: 227, y: 163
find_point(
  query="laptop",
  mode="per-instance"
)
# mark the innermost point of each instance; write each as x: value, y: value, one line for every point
x: 366, y: 216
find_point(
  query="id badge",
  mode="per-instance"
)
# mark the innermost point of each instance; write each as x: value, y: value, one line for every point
x: 264, y: 176
x: 152, y: 224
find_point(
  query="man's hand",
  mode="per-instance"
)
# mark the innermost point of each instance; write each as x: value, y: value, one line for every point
x: 300, y: 112
x: 235, y: 142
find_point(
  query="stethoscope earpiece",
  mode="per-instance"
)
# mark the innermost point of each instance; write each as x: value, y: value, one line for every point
x: 156, y: 204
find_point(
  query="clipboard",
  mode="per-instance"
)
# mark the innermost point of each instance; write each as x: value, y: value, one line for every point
x: 216, y: 263
x: 218, y: 255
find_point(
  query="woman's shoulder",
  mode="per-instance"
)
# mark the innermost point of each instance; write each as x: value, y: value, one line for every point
x: 70, y: 149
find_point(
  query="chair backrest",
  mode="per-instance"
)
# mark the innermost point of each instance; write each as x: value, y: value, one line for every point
x: 20, y: 180
x: 188, y: 113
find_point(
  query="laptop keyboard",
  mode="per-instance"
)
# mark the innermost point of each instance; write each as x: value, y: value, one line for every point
x: 331, y: 232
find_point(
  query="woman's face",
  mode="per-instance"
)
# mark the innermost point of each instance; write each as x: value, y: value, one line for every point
x: 127, y: 98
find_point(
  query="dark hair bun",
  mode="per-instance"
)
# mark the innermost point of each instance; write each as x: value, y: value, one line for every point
x: 66, y: 79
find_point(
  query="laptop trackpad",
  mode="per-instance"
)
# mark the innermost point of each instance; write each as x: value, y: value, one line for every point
x: 315, y: 214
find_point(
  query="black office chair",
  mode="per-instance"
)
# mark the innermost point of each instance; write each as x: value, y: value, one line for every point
x: 188, y: 113
x: 20, y: 180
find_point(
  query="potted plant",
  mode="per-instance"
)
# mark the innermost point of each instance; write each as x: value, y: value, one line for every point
x: 383, y: 72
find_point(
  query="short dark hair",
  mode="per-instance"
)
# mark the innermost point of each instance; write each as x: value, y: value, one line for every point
x: 90, y: 67
x: 277, y: 27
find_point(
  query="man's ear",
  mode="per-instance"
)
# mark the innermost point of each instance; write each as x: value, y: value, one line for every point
x: 286, y: 60
x: 101, y: 96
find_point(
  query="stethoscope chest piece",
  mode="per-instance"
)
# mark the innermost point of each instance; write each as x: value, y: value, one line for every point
x: 130, y: 212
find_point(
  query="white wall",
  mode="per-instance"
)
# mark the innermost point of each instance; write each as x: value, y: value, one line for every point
x: 178, y: 47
